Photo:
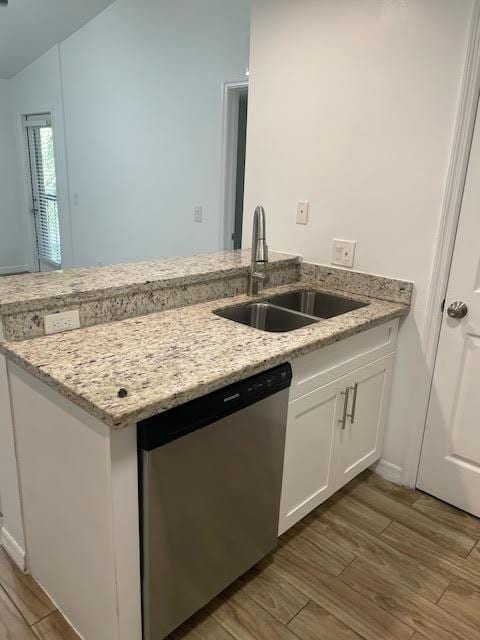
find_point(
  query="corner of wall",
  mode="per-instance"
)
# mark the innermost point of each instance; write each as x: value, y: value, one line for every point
x: 388, y: 470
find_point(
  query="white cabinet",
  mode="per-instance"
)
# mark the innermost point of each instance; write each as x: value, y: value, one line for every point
x: 308, y: 466
x: 364, y: 397
x: 335, y: 430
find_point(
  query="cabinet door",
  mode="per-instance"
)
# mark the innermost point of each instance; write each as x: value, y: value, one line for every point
x: 308, y: 468
x: 359, y: 443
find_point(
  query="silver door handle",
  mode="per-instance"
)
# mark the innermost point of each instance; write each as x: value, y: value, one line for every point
x: 351, y: 416
x: 343, y: 419
x: 457, y: 310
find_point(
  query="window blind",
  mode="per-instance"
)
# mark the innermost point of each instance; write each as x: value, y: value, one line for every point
x: 44, y: 187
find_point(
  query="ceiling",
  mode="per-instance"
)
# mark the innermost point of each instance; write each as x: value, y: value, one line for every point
x: 28, y: 28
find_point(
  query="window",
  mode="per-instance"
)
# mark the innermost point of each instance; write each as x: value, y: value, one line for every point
x: 44, y: 188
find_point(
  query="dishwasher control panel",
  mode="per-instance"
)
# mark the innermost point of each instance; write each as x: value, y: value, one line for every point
x: 179, y: 421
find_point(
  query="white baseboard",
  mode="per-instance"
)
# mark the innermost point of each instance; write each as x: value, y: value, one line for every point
x: 388, y: 471
x: 20, y: 268
x: 13, y: 549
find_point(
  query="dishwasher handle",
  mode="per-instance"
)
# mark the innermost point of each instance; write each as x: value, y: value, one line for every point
x: 180, y: 421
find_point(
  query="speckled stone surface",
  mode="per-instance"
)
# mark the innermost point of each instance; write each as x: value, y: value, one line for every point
x: 358, y: 282
x: 56, y: 288
x: 140, y: 301
x: 165, y: 359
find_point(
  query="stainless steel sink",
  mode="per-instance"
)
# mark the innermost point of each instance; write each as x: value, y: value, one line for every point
x: 314, y: 303
x: 290, y: 311
x: 266, y: 317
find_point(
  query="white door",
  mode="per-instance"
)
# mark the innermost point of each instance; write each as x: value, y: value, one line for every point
x: 308, y: 468
x: 360, y: 436
x: 450, y: 460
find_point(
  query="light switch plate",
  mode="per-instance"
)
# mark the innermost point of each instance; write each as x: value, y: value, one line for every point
x: 343, y: 253
x: 302, y: 212
x: 198, y: 214
x: 58, y: 322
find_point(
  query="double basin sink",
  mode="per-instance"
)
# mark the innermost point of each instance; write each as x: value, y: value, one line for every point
x: 289, y: 311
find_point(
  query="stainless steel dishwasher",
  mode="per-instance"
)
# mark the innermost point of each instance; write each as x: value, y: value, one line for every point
x: 210, y: 482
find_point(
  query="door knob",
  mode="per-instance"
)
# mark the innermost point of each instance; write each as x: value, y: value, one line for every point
x: 457, y: 310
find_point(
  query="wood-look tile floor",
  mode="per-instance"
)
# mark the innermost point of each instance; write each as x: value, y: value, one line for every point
x: 376, y: 561
x: 26, y: 613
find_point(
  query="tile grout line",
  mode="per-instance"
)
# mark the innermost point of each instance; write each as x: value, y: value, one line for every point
x: 418, y: 513
x: 272, y: 616
x: 329, y: 613
x: 444, y: 592
x: 335, y: 616
x: 15, y: 606
x: 384, y: 529
x: 454, y: 615
x: 297, y: 614
x: 477, y: 544
x: 354, y: 559
x: 447, y: 611
x: 44, y: 617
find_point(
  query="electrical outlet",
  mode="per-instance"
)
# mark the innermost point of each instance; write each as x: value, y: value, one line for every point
x: 302, y: 212
x: 64, y: 321
x: 344, y: 252
x: 198, y: 214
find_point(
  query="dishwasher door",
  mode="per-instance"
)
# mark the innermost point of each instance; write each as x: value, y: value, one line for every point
x: 210, y: 508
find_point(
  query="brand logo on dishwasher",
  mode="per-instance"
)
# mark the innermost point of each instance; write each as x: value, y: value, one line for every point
x: 234, y: 397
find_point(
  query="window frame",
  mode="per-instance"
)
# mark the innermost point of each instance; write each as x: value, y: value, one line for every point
x: 32, y: 124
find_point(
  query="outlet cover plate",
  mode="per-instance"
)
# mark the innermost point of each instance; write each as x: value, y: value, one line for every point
x: 343, y: 253
x: 302, y: 212
x: 64, y: 321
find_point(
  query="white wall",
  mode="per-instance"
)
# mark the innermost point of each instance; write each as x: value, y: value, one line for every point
x: 12, y: 246
x: 38, y: 89
x: 143, y: 110
x: 352, y: 107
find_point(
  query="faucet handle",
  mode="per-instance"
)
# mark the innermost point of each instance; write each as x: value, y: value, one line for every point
x: 262, y: 275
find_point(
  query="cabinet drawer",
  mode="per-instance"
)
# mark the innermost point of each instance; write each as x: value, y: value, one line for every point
x: 324, y: 365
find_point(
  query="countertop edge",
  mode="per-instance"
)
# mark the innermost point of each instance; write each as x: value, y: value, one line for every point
x: 118, y: 421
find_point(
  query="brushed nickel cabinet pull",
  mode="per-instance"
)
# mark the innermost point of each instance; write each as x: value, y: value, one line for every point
x: 343, y: 419
x: 351, y: 416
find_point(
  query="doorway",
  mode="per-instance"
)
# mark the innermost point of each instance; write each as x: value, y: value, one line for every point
x: 450, y: 458
x: 235, y: 143
x: 43, y: 186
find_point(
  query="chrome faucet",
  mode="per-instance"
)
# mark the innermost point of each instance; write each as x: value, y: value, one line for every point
x: 259, y: 252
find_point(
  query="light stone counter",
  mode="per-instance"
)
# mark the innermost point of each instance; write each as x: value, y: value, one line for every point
x: 32, y: 291
x: 117, y: 292
x: 165, y: 359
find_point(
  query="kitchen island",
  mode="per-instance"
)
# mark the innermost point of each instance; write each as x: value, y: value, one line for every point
x: 77, y: 398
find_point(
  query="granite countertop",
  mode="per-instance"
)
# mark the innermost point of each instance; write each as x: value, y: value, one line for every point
x: 168, y: 358
x: 30, y: 291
